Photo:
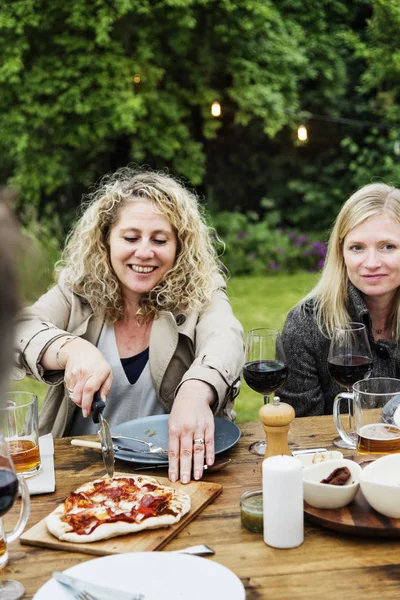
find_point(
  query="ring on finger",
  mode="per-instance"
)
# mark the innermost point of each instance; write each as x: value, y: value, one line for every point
x: 199, y: 440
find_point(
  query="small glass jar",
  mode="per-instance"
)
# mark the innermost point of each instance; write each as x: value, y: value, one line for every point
x: 251, y: 510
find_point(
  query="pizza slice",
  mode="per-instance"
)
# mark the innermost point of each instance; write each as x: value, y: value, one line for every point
x: 106, y: 508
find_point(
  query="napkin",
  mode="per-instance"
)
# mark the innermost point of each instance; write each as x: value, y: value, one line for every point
x: 44, y: 482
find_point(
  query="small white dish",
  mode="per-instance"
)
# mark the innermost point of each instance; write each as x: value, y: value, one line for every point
x: 325, y: 495
x: 380, y: 484
x: 314, y: 458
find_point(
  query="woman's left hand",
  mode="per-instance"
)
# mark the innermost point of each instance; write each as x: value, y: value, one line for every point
x: 191, y: 431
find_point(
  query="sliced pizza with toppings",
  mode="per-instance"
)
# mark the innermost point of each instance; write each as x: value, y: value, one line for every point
x: 106, y: 508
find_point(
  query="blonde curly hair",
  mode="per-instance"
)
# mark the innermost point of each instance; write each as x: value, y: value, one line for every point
x: 330, y: 295
x: 189, y: 285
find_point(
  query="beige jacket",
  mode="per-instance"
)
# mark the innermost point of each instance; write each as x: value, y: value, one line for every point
x: 206, y: 346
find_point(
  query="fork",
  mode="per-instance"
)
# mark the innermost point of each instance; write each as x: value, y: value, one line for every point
x: 151, y: 448
x: 84, y: 596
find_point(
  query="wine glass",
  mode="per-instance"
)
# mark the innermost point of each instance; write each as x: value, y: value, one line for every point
x: 265, y: 369
x: 349, y: 360
x: 9, y: 483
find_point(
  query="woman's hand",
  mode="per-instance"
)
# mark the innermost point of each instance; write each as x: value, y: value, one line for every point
x: 191, y: 431
x: 86, y: 370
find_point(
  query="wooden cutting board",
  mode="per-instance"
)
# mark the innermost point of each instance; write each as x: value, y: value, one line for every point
x: 358, y: 517
x: 201, y: 493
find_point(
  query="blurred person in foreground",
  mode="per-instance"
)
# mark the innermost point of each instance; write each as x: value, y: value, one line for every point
x: 140, y: 313
x: 360, y: 282
x: 9, y: 300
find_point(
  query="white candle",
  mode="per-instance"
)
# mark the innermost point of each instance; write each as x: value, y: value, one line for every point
x: 283, y: 501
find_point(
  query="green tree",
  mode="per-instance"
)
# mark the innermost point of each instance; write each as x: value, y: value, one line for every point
x: 71, y: 107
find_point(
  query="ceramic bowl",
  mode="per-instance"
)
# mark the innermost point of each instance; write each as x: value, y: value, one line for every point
x: 380, y: 484
x: 324, y: 495
x: 318, y: 457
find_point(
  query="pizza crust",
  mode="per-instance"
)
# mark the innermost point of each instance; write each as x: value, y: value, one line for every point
x: 179, y: 504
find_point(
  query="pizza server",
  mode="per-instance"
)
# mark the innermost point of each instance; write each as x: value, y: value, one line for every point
x: 107, y: 448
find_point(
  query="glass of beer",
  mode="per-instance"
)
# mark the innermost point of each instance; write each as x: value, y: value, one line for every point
x: 376, y: 403
x: 19, y: 425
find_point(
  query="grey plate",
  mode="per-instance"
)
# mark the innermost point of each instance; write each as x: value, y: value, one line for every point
x: 154, y: 429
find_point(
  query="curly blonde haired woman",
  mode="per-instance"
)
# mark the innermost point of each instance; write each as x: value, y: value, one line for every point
x: 360, y: 282
x: 139, y: 313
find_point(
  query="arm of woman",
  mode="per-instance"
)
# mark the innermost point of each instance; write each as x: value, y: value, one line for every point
x: 42, y: 351
x: 205, y: 389
x: 304, y: 359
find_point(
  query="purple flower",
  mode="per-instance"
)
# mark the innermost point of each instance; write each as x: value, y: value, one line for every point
x: 251, y: 255
x: 242, y: 235
x: 321, y: 263
x: 273, y: 266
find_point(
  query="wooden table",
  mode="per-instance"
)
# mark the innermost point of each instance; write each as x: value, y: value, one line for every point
x: 328, y: 564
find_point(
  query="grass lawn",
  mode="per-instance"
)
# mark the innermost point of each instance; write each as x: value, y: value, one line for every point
x: 257, y: 302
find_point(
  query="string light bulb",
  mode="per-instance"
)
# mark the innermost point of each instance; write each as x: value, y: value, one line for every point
x: 302, y: 133
x: 136, y: 78
x: 216, y: 109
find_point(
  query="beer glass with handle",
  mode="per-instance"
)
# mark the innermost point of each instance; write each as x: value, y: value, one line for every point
x: 9, y: 484
x: 265, y: 369
x: 349, y: 360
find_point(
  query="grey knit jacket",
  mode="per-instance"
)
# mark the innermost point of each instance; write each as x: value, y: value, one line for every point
x: 309, y: 387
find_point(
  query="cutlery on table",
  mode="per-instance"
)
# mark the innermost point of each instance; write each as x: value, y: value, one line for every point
x: 199, y: 550
x: 84, y: 590
x: 152, y: 448
x: 118, y: 448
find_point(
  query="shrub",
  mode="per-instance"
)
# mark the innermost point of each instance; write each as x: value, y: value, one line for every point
x: 256, y: 247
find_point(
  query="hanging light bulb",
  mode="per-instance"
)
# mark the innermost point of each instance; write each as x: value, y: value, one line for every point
x: 302, y: 133
x: 137, y: 78
x: 216, y: 109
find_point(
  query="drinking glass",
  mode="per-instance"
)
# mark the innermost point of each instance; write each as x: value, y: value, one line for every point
x: 9, y: 484
x: 19, y: 425
x: 265, y: 369
x: 349, y: 360
x: 377, y: 415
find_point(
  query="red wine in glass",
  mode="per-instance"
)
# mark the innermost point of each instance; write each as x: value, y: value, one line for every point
x: 265, y: 369
x: 9, y: 484
x: 265, y: 376
x: 349, y: 360
x: 8, y: 490
x: 346, y: 370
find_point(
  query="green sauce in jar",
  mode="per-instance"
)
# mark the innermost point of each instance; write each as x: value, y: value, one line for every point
x: 251, y: 511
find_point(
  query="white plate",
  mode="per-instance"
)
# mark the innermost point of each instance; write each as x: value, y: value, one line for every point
x: 160, y: 575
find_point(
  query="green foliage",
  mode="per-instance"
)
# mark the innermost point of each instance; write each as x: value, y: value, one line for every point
x: 256, y: 247
x: 40, y: 252
x: 70, y: 107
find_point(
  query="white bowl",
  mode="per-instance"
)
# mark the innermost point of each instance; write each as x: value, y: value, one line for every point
x: 324, y: 495
x: 313, y: 458
x: 380, y: 484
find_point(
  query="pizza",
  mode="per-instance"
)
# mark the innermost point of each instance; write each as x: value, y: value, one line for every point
x: 106, y: 508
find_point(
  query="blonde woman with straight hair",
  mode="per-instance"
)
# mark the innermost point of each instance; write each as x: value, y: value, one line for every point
x: 360, y: 282
x: 139, y: 313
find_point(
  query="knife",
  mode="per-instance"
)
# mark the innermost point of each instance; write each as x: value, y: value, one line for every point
x: 107, y: 448
x: 99, y: 591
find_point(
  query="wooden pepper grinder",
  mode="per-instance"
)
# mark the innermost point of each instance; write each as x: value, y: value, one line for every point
x: 276, y: 418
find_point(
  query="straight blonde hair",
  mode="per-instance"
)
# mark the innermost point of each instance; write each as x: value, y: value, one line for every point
x: 330, y: 295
